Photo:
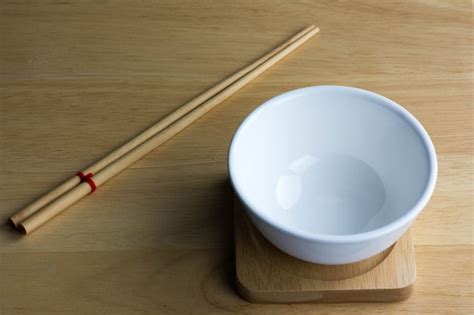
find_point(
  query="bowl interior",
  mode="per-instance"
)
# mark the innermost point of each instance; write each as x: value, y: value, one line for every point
x: 329, y: 160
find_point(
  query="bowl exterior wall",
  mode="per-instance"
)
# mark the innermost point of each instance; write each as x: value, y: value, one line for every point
x: 325, y: 252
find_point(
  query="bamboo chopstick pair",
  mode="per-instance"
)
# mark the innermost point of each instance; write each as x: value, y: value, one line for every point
x: 83, y: 183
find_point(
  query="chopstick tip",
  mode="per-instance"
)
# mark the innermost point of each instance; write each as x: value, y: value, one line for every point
x: 312, y: 29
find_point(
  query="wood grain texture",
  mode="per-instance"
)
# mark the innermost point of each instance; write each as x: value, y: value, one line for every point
x: 78, y: 78
x: 265, y: 274
x: 35, y: 214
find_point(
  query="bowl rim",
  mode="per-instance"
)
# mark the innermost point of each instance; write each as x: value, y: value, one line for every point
x: 404, y: 220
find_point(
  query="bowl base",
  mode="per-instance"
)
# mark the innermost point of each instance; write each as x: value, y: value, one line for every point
x: 264, y: 274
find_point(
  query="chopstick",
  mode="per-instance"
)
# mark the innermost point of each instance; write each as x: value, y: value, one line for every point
x: 148, y: 133
x: 183, y: 119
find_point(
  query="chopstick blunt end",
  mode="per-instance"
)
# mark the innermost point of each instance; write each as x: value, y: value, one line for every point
x: 22, y: 229
x: 11, y: 222
x: 14, y: 220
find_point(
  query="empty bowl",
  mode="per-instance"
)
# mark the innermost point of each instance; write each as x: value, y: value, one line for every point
x: 332, y: 174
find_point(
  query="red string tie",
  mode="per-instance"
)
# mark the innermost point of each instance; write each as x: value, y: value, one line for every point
x: 88, y: 179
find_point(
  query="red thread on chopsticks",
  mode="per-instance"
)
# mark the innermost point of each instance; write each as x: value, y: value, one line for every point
x: 87, y: 178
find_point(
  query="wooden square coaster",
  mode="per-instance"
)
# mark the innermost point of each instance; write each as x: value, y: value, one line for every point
x: 264, y: 274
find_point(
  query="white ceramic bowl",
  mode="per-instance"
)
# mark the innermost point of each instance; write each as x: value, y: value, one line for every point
x: 332, y: 174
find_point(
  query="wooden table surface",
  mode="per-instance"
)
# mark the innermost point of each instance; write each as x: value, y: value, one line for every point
x: 78, y: 78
